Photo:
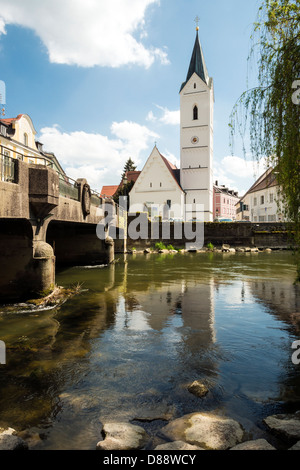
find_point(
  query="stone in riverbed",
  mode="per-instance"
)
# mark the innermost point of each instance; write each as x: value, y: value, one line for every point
x: 296, y: 446
x: 177, y: 445
x: 286, y: 426
x: 9, y: 441
x: 205, y: 430
x: 225, y: 247
x: 257, y: 444
x: 198, y: 388
x: 122, y: 436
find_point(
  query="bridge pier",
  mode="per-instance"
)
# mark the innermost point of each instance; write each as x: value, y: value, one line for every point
x: 47, y: 220
x: 27, y: 267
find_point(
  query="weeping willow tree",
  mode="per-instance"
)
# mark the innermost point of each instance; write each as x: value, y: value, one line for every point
x: 271, y: 110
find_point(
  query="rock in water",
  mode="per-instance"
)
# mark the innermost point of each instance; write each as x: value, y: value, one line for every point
x: 197, y: 388
x: 177, y: 445
x: 9, y: 441
x: 285, y: 425
x: 257, y: 444
x: 122, y: 436
x: 205, y: 430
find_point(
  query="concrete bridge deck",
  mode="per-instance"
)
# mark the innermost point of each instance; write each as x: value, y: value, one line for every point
x: 47, y: 219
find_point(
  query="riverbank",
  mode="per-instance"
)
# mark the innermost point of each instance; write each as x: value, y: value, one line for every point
x: 192, y: 432
x: 210, y: 248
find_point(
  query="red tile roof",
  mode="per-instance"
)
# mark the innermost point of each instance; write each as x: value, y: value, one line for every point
x: 10, y: 120
x: 132, y: 175
x: 172, y: 169
x: 109, y: 190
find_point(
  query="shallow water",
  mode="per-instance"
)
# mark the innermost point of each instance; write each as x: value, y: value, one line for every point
x: 127, y: 347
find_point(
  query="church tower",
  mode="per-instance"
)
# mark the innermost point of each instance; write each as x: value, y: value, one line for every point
x: 196, y: 138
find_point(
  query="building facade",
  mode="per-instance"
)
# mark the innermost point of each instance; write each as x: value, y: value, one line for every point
x: 18, y: 141
x: 225, y: 201
x: 185, y: 193
x: 157, y: 189
x: 196, y: 138
x: 263, y: 201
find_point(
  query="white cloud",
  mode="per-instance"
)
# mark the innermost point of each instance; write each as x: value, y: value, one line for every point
x: 86, y: 33
x: 237, y: 173
x: 168, y: 117
x: 242, y: 167
x: 97, y: 158
x: 2, y: 26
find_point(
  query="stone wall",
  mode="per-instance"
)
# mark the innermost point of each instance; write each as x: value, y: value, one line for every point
x: 260, y: 235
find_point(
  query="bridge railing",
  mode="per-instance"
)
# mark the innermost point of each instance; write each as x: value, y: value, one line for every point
x: 8, y: 169
x: 68, y: 187
x: 14, y: 154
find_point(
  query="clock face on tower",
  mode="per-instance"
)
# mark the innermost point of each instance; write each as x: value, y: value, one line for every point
x: 194, y: 140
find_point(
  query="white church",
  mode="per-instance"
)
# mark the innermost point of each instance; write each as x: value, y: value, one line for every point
x: 186, y: 193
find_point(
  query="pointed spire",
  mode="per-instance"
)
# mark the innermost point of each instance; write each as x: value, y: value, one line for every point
x: 197, y: 64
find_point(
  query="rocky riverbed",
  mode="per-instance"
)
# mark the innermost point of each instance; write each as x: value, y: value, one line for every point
x: 195, y: 431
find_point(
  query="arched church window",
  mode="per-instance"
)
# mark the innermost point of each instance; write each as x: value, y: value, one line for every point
x: 195, y: 86
x: 195, y: 113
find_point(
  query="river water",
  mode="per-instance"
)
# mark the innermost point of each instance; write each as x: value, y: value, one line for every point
x: 140, y: 332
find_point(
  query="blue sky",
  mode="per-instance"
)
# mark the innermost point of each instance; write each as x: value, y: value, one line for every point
x: 101, y: 79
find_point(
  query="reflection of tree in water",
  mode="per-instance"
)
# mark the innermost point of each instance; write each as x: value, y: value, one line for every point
x: 282, y: 300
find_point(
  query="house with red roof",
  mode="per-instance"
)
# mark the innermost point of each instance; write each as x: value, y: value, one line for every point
x: 263, y: 201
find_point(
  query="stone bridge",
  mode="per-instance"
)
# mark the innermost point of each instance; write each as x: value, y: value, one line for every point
x: 47, y: 219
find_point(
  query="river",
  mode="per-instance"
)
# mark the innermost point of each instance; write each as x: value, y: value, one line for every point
x: 127, y: 347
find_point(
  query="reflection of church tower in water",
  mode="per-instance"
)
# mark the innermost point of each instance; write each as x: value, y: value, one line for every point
x: 196, y: 138
x: 190, y: 302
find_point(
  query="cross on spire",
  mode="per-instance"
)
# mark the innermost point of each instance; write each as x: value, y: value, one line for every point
x: 197, y: 19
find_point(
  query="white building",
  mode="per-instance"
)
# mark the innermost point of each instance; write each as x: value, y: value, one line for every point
x: 185, y: 193
x: 262, y: 202
x: 157, y: 189
x: 196, y: 137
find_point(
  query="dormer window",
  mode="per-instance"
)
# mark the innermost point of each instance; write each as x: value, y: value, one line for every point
x: 195, y: 113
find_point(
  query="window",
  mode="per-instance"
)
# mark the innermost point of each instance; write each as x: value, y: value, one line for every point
x: 160, y: 184
x: 262, y: 199
x: 272, y: 218
x: 262, y: 218
x: 150, y: 185
x: 255, y: 201
x: 195, y: 113
x: 25, y: 139
x: 169, y: 203
x: 271, y: 197
x: 194, y: 201
x: 195, y: 86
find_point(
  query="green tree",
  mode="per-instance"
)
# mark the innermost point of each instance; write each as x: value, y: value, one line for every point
x: 123, y: 190
x: 129, y: 166
x: 271, y: 110
x: 125, y: 186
